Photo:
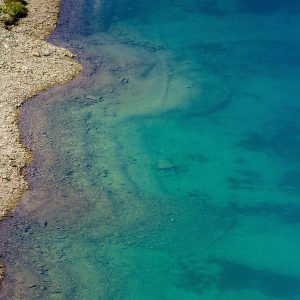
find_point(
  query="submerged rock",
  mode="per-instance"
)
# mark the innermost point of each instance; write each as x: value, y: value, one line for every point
x: 124, y: 80
x: 165, y: 165
x: 94, y: 97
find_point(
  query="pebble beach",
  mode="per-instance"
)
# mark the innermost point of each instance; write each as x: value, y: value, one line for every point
x: 28, y: 65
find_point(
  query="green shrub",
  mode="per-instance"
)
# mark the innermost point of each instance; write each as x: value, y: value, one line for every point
x: 15, y: 9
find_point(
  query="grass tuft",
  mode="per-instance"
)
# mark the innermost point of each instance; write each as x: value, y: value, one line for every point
x: 15, y: 9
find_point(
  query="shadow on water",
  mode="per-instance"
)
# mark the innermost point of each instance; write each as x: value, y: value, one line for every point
x: 230, y: 276
x: 246, y: 179
x: 235, y: 276
x: 290, y: 181
x: 260, y: 7
x: 288, y: 213
x: 268, y: 6
x: 279, y: 138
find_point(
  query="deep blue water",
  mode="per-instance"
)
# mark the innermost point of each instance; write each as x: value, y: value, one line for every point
x: 170, y: 169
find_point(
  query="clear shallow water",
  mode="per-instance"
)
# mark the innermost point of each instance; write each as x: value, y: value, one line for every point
x: 170, y: 168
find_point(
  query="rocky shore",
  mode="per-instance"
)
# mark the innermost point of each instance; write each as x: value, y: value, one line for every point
x: 28, y: 64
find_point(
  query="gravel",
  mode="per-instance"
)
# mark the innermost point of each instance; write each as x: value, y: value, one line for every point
x: 28, y: 65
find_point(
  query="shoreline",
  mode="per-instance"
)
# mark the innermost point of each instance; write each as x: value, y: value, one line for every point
x: 28, y: 65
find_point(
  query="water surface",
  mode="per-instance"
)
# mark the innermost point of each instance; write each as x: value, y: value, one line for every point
x: 170, y: 168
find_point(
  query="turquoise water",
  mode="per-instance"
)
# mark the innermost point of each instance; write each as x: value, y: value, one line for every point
x: 170, y: 168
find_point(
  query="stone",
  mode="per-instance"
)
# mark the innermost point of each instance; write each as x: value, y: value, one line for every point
x: 124, y: 80
x: 165, y: 165
x: 94, y: 98
x: 36, y: 54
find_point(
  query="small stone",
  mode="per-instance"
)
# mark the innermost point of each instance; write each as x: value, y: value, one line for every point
x: 124, y: 80
x: 165, y: 165
x: 36, y: 54
x: 94, y: 98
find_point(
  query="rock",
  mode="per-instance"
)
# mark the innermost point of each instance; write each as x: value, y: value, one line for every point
x: 36, y: 54
x: 124, y: 80
x: 165, y: 165
x: 94, y: 98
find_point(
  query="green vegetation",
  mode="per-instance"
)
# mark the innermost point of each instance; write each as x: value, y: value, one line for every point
x: 14, y: 9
